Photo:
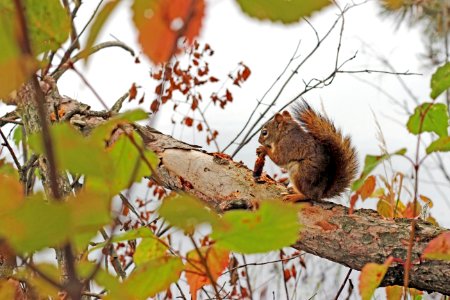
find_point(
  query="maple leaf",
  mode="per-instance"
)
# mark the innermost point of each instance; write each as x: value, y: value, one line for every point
x: 161, y: 23
x: 216, y: 259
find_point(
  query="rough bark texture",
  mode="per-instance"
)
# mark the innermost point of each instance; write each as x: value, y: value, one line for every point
x: 329, y: 231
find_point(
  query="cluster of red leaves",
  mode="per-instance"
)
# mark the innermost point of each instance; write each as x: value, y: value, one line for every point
x: 125, y: 250
x: 181, y: 83
x: 238, y: 291
x: 290, y: 266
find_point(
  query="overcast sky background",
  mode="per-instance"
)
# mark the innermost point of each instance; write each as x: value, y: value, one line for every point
x: 266, y: 48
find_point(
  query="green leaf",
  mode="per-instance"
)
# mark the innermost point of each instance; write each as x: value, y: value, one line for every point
x: 48, y: 24
x: 100, y: 20
x: 441, y: 144
x: 370, y: 163
x: 429, y: 117
x: 8, y: 169
x: 148, y: 279
x: 185, y: 211
x: 43, y: 288
x: 440, y: 81
x: 284, y: 11
x: 103, y: 132
x: 148, y: 249
x: 17, y: 136
x: 142, y: 232
x: 89, y: 211
x: 74, y: 152
x: 128, y: 165
x: 275, y: 225
x: 15, y: 68
x: 36, y: 224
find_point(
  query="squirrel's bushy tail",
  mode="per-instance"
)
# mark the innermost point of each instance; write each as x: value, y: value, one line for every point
x: 343, y: 161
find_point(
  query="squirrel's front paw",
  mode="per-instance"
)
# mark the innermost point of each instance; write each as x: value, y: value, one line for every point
x: 293, y: 198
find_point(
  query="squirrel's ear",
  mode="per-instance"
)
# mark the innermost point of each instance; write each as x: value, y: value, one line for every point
x: 286, y: 115
x: 278, y: 118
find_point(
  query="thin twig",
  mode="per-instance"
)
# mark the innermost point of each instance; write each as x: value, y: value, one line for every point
x: 343, y: 284
x: 85, y: 53
x: 247, y: 278
x: 3, y: 120
x: 11, y: 151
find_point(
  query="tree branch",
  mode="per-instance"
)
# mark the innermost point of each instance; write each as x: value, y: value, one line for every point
x: 329, y: 231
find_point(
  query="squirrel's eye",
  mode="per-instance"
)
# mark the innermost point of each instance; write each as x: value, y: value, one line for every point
x: 264, y: 132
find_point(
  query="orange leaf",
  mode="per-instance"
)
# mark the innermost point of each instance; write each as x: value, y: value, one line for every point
x: 216, y: 260
x: 371, y: 276
x: 367, y: 188
x: 438, y: 248
x: 353, y: 200
x: 426, y: 200
x: 394, y: 292
x: 161, y: 23
x: 409, y: 211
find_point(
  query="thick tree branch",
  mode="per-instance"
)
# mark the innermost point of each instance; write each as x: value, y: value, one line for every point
x: 328, y: 229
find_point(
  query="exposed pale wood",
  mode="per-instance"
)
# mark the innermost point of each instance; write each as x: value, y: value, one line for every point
x: 329, y: 231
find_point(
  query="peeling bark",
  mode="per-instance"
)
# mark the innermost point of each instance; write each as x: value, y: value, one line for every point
x: 328, y: 229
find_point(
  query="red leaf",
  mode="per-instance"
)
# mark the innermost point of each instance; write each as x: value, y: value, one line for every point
x: 155, y: 22
x: 287, y: 275
x: 176, y: 69
x: 137, y: 60
x: 133, y: 92
x: 142, y: 99
x: 294, y: 272
x: 438, y: 248
x: 229, y: 96
x: 157, y: 75
x: 245, y: 73
x: 213, y: 79
x: 199, y: 127
x: 409, y: 210
x: 188, y: 121
x: 158, y: 89
x: 194, y: 104
x: 154, y: 106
